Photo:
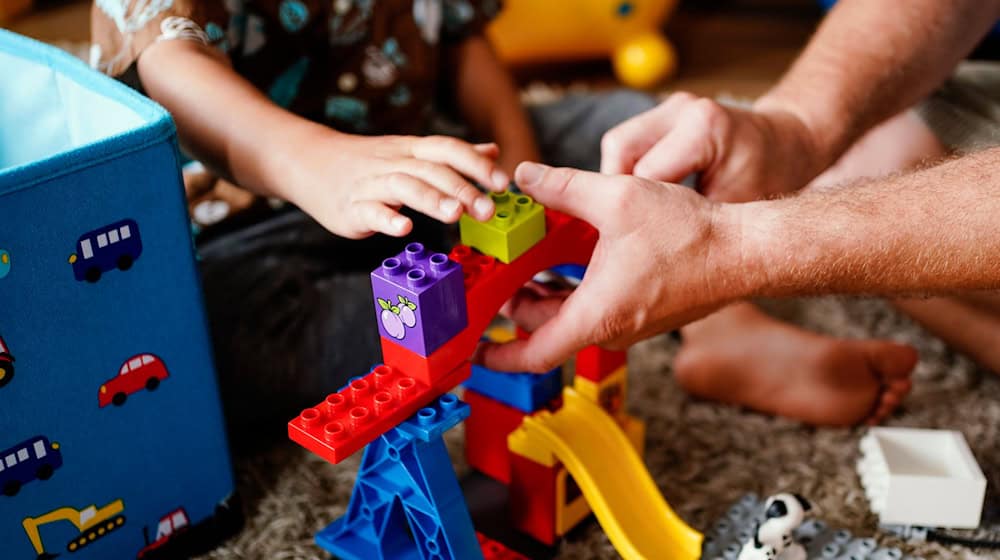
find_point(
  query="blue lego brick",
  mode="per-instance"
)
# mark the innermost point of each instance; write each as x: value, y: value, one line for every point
x: 570, y: 271
x: 725, y: 539
x: 419, y: 299
x: 407, y: 503
x: 434, y: 420
x: 526, y: 392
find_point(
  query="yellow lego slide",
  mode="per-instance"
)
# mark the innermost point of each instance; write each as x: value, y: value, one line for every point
x: 611, y: 475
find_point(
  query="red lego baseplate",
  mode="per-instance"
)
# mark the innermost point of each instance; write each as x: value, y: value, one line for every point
x: 368, y: 407
x: 489, y: 283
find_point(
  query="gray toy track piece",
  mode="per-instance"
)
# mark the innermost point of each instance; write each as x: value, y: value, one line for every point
x: 725, y: 539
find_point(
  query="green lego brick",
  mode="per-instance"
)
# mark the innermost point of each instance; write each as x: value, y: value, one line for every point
x: 519, y: 223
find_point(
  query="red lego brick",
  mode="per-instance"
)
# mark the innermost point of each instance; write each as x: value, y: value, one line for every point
x: 368, y: 407
x: 595, y: 363
x: 486, y: 431
x: 532, y: 498
x: 492, y: 550
x: 489, y: 284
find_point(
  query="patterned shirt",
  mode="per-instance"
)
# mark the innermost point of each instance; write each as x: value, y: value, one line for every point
x: 361, y: 66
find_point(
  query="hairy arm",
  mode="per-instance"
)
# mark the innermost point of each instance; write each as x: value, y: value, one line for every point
x: 871, y: 59
x: 932, y: 231
x: 667, y: 256
x: 489, y: 102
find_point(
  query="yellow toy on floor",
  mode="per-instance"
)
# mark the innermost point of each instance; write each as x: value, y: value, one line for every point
x: 629, y: 31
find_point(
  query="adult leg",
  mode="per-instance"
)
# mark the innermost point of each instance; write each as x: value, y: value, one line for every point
x: 743, y: 356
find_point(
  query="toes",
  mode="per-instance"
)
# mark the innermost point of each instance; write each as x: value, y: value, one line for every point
x: 892, y: 361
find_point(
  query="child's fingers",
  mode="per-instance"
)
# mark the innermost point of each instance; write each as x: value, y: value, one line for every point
x: 488, y: 149
x: 446, y: 180
x: 408, y: 190
x: 375, y: 216
x: 462, y: 157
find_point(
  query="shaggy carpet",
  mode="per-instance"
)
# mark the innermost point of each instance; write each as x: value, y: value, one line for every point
x: 703, y: 456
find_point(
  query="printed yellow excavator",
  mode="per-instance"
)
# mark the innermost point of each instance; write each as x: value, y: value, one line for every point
x: 92, y: 523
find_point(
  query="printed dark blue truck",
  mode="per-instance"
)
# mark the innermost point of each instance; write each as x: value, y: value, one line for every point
x: 116, y: 245
x: 33, y: 459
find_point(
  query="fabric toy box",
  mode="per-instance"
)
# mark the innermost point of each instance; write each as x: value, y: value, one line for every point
x: 112, y: 441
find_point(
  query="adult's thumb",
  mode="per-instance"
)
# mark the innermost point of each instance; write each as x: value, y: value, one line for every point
x: 579, y: 193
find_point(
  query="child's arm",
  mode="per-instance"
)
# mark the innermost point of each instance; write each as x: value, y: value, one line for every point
x: 490, y: 103
x: 352, y: 185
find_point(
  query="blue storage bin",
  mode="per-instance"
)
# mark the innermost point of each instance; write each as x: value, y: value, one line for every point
x: 112, y: 441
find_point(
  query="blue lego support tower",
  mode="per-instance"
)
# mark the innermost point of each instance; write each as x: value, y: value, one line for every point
x: 407, y: 503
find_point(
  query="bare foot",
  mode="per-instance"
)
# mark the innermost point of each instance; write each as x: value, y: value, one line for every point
x: 744, y: 357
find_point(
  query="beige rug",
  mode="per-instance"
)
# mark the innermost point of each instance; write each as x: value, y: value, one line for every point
x: 703, y: 456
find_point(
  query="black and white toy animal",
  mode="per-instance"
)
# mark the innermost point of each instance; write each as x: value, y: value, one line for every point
x: 772, y: 537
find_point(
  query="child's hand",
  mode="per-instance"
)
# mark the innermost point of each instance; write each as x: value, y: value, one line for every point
x: 354, y: 185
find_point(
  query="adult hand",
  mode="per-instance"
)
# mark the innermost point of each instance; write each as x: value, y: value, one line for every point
x: 734, y: 150
x: 652, y: 269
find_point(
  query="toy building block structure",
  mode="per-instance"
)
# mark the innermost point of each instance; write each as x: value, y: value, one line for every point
x: 407, y: 496
x: 927, y: 478
x: 486, y: 432
x: 611, y: 475
x: 725, y: 540
x: 527, y: 392
x: 369, y: 406
x: 489, y: 284
x: 561, y: 454
x: 595, y: 363
x: 517, y: 225
x: 420, y: 299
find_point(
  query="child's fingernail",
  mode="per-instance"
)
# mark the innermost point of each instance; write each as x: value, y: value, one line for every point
x: 483, y: 207
x: 528, y: 173
x: 399, y: 223
x: 449, y: 206
x: 486, y: 146
x: 500, y: 179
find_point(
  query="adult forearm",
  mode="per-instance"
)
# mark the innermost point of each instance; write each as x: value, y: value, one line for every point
x: 871, y: 59
x: 222, y: 119
x: 932, y: 231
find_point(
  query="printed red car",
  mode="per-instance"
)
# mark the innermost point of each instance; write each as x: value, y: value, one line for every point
x: 138, y: 372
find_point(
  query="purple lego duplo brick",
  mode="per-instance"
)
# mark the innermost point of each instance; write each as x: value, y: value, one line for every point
x: 419, y: 299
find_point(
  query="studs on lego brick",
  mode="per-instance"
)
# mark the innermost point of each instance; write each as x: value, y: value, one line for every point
x: 420, y: 298
x: 517, y: 225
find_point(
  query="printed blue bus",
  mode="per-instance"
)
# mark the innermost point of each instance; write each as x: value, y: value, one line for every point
x: 117, y: 245
x: 34, y: 459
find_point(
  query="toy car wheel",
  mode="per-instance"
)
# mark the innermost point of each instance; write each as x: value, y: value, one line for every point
x: 119, y: 399
x: 44, y: 472
x: 6, y: 374
x: 11, y: 488
x: 125, y: 262
x: 152, y: 383
x: 92, y: 275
